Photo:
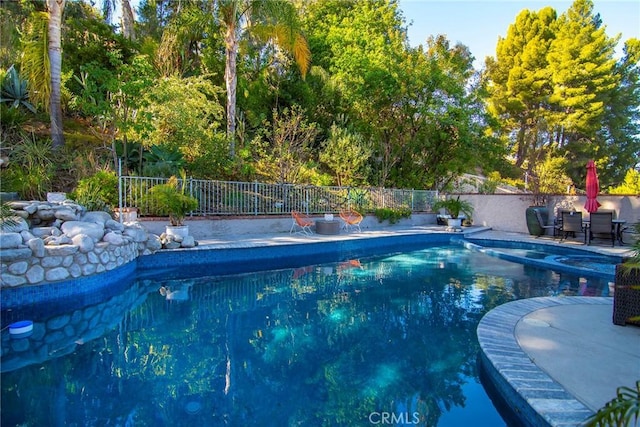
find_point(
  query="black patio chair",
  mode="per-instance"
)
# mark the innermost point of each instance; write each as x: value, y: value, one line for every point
x: 545, y: 227
x: 601, y: 226
x: 572, y: 224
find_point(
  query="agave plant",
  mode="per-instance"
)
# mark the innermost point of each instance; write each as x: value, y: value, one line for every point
x: 161, y: 161
x: 14, y: 90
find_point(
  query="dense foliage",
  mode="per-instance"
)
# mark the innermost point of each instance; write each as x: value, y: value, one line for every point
x: 558, y: 91
x: 328, y: 92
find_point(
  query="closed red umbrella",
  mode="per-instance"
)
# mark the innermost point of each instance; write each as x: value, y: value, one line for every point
x: 593, y: 188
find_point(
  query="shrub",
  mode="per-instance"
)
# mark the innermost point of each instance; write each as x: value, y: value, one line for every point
x: 455, y: 207
x: 393, y: 215
x: 98, y: 192
x: 170, y: 199
x: 31, y: 170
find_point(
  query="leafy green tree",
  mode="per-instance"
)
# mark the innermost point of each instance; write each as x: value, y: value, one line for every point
x: 621, y: 128
x: 283, y: 147
x: 359, y: 45
x: 180, y: 49
x: 556, y: 89
x: 581, y: 60
x: 630, y: 186
x: 520, y: 83
x: 444, y: 107
x: 111, y: 97
x: 88, y: 39
x: 108, y: 77
x: 154, y: 16
x: 13, y: 17
x: 184, y: 115
x: 345, y: 154
x: 549, y: 177
x: 265, y: 20
x: 420, y: 109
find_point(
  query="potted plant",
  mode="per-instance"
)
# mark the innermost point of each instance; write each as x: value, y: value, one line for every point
x: 626, y: 295
x: 171, y: 199
x: 454, y: 208
x: 538, y: 204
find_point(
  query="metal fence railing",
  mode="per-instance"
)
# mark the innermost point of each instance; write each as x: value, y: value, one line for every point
x: 254, y: 198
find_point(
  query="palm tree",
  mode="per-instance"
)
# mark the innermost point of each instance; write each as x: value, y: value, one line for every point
x: 34, y: 59
x: 266, y: 20
x: 55, y: 8
x: 41, y: 63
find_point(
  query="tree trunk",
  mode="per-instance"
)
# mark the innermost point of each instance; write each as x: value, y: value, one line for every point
x: 522, y: 149
x: 231, y: 80
x: 55, y: 8
x: 127, y: 20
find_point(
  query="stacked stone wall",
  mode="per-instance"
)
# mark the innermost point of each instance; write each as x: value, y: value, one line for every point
x: 60, y: 334
x: 59, y: 241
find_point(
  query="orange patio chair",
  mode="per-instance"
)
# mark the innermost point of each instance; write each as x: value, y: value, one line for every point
x: 303, y: 222
x: 351, y: 218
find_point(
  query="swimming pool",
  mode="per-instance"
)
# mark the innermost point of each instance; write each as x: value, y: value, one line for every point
x: 349, y: 342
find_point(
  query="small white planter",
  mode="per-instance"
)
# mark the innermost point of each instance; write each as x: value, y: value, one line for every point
x: 454, y: 222
x: 177, y: 230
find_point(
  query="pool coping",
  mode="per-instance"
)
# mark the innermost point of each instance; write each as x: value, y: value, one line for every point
x: 536, y: 398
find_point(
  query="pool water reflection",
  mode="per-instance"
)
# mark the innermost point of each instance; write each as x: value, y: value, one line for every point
x: 320, y: 345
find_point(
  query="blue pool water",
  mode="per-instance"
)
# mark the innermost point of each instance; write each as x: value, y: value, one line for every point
x: 350, y: 343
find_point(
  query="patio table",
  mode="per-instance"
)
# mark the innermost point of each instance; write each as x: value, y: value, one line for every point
x: 327, y: 227
x: 618, y: 223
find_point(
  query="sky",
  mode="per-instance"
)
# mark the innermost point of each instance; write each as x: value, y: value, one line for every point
x: 478, y: 23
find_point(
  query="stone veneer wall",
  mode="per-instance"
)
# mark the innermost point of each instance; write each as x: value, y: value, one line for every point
x: 60, y: 334
x: 59, y: 241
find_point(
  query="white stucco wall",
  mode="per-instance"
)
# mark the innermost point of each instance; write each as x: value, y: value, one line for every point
x: 506, y: 212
